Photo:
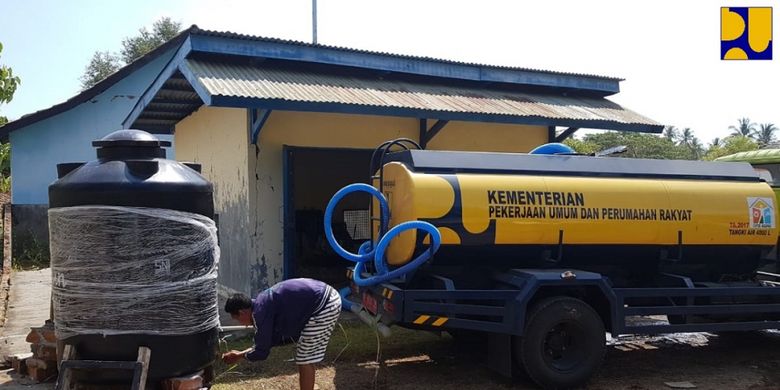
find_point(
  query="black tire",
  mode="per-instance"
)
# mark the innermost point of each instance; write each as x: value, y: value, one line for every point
x: 563, y: 344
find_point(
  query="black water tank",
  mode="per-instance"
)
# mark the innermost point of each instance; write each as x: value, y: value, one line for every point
x: 131, y: 170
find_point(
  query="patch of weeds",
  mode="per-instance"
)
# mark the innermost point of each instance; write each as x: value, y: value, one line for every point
x: 32, y: 254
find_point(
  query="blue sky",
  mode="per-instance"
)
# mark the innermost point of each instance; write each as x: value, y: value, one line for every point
x: 668, y: 51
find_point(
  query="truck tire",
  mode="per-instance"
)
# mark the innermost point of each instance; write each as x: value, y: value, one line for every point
x: 563, y: 344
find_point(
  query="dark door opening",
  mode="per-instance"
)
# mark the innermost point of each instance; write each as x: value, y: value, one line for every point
x: 313, y: 176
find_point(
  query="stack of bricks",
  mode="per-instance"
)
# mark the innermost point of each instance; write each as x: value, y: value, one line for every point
x: 42, y: 365
x: 189, y: 382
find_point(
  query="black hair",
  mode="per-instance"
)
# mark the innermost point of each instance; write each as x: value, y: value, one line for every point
x: 237, y: 302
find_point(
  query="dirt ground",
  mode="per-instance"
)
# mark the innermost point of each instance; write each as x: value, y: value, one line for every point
x: 414, y: 360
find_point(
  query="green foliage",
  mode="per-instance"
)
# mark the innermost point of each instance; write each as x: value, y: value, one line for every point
x: 8, y: 82
x: 5, y: 167
x: 104, y: 63
x: 34, y: 253
x: 765, y: 134
x: 8, y: 85
x: 745, y: 128
x: 731, y: 145
x: 162, y: 31
x: 639, y: 145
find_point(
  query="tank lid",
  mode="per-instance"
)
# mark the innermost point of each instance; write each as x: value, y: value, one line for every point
x: 130, y: 138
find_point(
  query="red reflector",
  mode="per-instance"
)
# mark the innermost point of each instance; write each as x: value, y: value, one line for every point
x: 388, y: 306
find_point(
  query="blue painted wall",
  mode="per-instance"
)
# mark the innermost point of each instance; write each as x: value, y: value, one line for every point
x: 38, y: 148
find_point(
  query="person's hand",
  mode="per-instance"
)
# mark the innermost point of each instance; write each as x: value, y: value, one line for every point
x: 232, y: 356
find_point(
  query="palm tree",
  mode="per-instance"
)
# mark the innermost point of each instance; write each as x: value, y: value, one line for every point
x: 715, y: 142
x: 745, y: 128
x: 765, y: 135
x: 686, y: 136
x: 670, y: 133
x: 696, y: 147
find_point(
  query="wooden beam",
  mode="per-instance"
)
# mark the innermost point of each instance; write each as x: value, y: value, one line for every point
x: 566, y: 134
x: 257, y: 118
x: 427, y: 136
x: 550, y: 133
x: 423, y: 129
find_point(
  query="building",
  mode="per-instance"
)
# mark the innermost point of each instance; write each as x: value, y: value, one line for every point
x: 279, y: 126
x: 64, y: 132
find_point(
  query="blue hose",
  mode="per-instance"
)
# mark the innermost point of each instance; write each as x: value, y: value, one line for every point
x: 384, y: 216
x: 368, y: 250
x: 346, y: 304
x: 379, y: 255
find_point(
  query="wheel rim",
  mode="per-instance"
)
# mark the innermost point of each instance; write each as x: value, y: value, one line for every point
x: 564, y: 346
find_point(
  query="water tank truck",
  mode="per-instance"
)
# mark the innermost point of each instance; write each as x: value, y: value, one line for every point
x: 544, y: 253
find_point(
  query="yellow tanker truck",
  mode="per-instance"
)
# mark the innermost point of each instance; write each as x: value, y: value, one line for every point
x: 543, y: 254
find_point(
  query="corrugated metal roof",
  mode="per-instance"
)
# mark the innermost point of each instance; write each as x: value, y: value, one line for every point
x: 232, y: 35
x: 247, y: 81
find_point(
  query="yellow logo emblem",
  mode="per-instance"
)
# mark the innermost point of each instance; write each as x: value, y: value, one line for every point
x: 746, y: 33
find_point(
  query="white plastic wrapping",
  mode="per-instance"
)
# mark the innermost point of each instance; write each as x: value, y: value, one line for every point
x: 131, y: 270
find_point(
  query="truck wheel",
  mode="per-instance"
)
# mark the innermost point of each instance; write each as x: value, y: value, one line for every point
x: 563, y: 344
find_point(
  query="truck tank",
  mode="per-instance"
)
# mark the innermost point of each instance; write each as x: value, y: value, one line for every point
x: 616, y: 215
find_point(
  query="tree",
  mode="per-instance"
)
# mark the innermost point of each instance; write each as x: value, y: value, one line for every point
x: 8, y: 84
x: 731, y: 145
x: 639, y: 145
x: 715, y: 142
x: 765, y: 134
x: 745, y: 128
x: 163, y: 30
x: 104, y: 63
x: 100, y: 66
x: 671, y: 133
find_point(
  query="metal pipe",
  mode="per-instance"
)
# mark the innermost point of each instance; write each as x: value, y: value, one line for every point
x: 314, y: 21
x: 370, y: 320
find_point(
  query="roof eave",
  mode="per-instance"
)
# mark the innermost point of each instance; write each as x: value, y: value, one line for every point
x: 96, y: 89
x: 287, y: 105
x: 221, y: 45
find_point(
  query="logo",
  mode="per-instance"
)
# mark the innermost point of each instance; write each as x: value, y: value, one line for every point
x: 746, y: 33
x: 762, y: 213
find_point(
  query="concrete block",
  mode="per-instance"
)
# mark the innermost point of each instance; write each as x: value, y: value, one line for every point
x: 18, y: 362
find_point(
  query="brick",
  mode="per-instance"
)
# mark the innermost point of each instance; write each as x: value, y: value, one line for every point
x: 45, y: 352
x: 18, y: 363
x: 42, y: 374
x: 41, y: 364
x: 33, y: 337
x: 49, y: 335
x: 191, y: 382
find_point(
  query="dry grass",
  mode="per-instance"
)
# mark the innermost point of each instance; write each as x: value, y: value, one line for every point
x: 415, y: 360
x: 408, y: 360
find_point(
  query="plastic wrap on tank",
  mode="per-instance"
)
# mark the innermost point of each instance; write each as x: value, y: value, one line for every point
x: 132, y: 270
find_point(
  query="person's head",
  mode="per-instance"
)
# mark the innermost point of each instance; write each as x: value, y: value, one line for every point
x: 240, y: 308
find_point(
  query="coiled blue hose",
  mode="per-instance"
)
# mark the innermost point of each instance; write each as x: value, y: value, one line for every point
x: 367, y: 250
x: 334, y: 201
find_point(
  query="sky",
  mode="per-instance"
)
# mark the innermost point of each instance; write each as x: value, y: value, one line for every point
x: 668, y: 52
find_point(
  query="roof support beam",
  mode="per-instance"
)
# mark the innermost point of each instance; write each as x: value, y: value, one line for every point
x: 257, y: 118
x: 426, y: 134
x: 159, y: 82
x: 550, y: 134
x: 566, y: 134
